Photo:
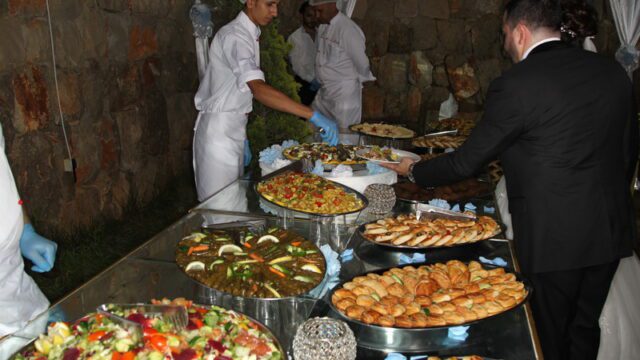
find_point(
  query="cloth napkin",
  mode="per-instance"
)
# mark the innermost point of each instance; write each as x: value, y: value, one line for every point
x: 318, y: 169
x: 270, y: 154
x: 398, y: 356
x: 375, y: 169
x: 346, y: 256
x: 342, y: 171
x: 458, y: 333
x: 331, y: 276
x: 416, y: 258
x: 489, y: 209
x: 440, y: 203
x: 498, y: 261
x: 289, y: 143
x: 469, y: 207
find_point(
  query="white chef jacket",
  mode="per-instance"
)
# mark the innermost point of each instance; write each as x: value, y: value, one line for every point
x: 303, y: 54
x: 224, y: 100
x: 20, y: 298
x: 234, y: 60
x: 341, y: 68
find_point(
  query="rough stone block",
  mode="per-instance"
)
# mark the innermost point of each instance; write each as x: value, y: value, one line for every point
x: 113, y: 5
x: 420, y: 70
x: 414, y: 104
x: 85, y: 142
x: 485, y: 37
x: 379, y: 10
x: 131, y: 131
x: 27, y: 8
x: 151, y: 7
x: 109, y: 158
x: 400, y: 38
x: 67, y: 9
x: 463, y: 80
x: 393, y: 72
x: 440, y: 76
x: 453, y: 35
x: 487, y: 71
x: 406, y: 8
x: 126, y: 91
x: 181, y: 118
x: 37, y: 46
x: 177, y: 73
x: 143, y: 42
x: 425, y: 34
x: 395, y: 104
x: 434, y: 96
x: 70, y: 94
x: 360, y: 10
x: 12, y: 44
x: 31, y: 100
x: 117, y: 33
x: 93, y: 28
x: 372, y: 102
x: 67, y: 37
x: 377, y: 36
x: 436, y: 9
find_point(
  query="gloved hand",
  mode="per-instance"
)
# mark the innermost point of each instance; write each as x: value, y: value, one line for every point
x: 314, y: 85
x: 40, y: 251
x: 247, y: 153
x: 329, y: 127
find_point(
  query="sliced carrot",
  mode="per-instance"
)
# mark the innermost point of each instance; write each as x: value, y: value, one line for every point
x: 129, y: 355
x: 255, y: 256
x: 247, y: 245
x: 197, y: 322
x: 308, y: 261
x: 279, y: 273
x: 296, y: 243
x: 197, y: 249
x: 97, y: 335
x: 116, y: 355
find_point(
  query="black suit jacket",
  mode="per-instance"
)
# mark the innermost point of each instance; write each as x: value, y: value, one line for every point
x: 563, y: 123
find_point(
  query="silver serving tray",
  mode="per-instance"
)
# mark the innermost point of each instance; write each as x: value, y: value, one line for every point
x: 233, y: 297
x: 329, y: 167
x: 351, y: 127
x: 303, y: 166
x: 389, y: 245
x: 480, y: 195
x: 260, y: 325
x: 406, y: 339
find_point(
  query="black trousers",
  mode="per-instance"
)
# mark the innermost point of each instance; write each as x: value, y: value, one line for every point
x: 566, y: 307
x: 306, y: 94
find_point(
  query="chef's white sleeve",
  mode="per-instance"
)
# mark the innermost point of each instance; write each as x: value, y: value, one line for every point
x: 240, y: 56
x: 354, y: 45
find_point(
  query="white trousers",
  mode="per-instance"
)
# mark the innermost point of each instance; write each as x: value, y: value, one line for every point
x: 218, y: 149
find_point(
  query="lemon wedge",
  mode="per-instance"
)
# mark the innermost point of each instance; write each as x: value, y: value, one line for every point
x: 229, y: 248
x: 195, y: 265
x: 311, y: 268
x: 268, y: 238
x: 197, y: 237
x: 43, y: 345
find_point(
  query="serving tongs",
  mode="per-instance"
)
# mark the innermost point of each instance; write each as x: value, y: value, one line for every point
x: 442, y: 133
x: 426, y: 211
x: 175, y: 315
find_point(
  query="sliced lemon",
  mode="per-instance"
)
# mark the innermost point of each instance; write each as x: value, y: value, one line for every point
x: 43, y: 346
x: 195, y: 265
x: 229, y: 248
x: 268, y: 238
x: 312, y: 268
x: 197, y: 237
x: 273, y: 291
x: 280, y: 260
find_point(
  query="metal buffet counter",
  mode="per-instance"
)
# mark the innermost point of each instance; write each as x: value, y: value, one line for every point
x: 150, y: 272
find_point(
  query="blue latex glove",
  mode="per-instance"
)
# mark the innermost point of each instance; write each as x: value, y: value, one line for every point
x: 314, y: 85
x: 40, y: 251
x: 247, y: 153
x: 416, y: 258
x: 330, y: 133
x: 498, y: 261
x: 346, y: 255
x: 458, y: 333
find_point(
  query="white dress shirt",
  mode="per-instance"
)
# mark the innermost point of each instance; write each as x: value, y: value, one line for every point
x: 303, y: 54
x: 530, y: 49
x: 235, y: 60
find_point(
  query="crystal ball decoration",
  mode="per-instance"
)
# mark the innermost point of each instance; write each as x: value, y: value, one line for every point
x: 381, y: 198
x: 324, y: 338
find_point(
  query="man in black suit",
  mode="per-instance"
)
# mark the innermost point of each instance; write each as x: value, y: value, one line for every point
x: 563, y: 122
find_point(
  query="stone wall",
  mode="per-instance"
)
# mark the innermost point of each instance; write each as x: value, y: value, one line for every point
x: 423, y: 50
x: 127, y: 74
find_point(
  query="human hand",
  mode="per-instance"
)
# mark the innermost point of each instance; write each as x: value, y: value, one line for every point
x: 314, y: 85
x: 401, y: 168
x: 329, y: 127
x: 40, y: 251
x: 247, y: 153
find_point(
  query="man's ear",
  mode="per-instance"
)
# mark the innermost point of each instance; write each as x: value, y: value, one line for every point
x: 251, y: 4
x: 522, y: 33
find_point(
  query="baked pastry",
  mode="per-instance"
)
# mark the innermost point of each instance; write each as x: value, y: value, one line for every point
x: 332, y: 155
x: 384, y: 130
x: 440, y: 142
x: 392, y: 298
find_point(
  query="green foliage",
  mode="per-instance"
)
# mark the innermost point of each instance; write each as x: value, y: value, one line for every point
x: 268, y: 126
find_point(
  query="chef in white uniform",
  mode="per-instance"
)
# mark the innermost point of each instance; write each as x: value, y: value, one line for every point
x: 341, y: 67
x: 303, y: 54
x: 232, y: 79
x: 20, y: 298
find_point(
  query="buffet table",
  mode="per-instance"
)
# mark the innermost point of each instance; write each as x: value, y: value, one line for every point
x: 150, y: 272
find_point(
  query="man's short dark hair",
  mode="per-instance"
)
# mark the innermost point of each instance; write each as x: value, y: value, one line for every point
x: 303, y: 7
x: 534, y: 13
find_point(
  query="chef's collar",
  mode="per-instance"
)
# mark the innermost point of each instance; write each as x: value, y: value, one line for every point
x: 249, y: 25
x: 526, y: 53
